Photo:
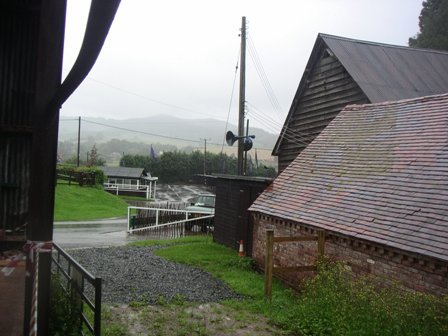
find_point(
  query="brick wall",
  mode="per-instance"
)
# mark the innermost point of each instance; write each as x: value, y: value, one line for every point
x: 389, y: 265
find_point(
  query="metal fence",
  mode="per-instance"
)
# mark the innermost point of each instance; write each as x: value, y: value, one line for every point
x: 120, y: 188
x: 76, y: 279
x: 168, y: 222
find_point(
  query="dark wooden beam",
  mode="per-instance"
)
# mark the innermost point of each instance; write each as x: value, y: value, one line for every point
x: 44, y: 150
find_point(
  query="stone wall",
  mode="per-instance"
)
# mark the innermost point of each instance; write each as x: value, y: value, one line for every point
x: 389, y: 265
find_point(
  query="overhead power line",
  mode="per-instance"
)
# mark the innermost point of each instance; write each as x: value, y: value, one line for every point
x: 158, y: 135
x: 231, y: 99
x: 267, y: 121
x: 264, y: 78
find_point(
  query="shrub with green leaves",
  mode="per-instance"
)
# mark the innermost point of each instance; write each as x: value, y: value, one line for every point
x: 64, y: 311
x: 333, y: 303
x: 82, y: 175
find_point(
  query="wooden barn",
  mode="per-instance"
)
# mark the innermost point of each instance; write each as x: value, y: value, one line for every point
x: 376, y: 181
x: 31, y: 93
x: 342, y: 71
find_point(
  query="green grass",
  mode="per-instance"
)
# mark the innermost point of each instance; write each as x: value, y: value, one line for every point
x: 330, y: 304
x: 134, y: 198
x: 86, y: 203
x: 184, y: 240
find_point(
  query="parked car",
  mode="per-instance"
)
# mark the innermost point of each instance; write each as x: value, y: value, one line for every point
x: 203, y: 205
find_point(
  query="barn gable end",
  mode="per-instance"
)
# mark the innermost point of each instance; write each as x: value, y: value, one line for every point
x: 344, y: 71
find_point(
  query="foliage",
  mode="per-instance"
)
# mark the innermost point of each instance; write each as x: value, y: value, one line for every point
x: 73, y: 161
x: 113, y: 149
x: 99, y: 174
x: 76, y: 203
x: 433, y: 24
x: 178, y: 166
x: 82, y: 175
x: 93, y: 158
x: 164, y: 242
x: 331, y: 303
x: 110, y: 326
x: 64, y: 312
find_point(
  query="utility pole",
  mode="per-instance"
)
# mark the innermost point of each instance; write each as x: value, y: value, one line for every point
x: 245, y: 153
x: 242, y: 102
x: 205, y: 152
x: 79, y: 140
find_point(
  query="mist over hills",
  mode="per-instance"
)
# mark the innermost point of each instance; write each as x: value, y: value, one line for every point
x: 157, y: 129
x: 184, y: 134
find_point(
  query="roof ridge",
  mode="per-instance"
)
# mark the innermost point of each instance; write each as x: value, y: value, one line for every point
x: 406, y: 101
x: 348, y: 39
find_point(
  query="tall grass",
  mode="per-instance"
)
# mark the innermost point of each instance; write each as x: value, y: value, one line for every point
x: 331, y: 303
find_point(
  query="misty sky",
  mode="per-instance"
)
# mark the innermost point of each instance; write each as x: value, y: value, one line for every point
x: 178, y: 57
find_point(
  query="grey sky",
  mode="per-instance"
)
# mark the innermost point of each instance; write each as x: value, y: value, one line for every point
x: 178, y: 57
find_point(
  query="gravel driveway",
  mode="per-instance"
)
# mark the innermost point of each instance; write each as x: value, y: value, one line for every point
x: 132, y: 273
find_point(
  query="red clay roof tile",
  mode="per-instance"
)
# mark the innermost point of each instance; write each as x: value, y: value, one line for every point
x: 377, y: 172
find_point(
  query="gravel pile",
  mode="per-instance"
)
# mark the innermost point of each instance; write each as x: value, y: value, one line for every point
x: 135, y: 274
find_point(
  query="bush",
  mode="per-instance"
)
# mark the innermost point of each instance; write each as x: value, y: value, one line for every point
x: 332, y: 303
x: 82, y: 175
x: 64, y: 312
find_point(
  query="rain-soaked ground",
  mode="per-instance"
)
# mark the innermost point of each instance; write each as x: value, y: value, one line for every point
x: 112, y: 232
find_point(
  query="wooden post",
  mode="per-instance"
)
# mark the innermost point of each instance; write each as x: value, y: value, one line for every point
x: 79, y: 141
x: 321, y: 243
x: 242, y: 102
x: 268, y: 267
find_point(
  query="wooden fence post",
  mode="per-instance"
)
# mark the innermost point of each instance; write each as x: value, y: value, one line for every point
x: 268, y: 267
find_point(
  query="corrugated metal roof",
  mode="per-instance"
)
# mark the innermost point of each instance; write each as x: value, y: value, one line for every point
x: 377, y: 172
x: 383, y: 72
x: 387, y: 73
x: 125, y: 172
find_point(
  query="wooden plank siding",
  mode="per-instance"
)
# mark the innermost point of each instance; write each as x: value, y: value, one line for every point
x: 329, y: 88
x: 234, y: 195
x: 19, y: 29
x: 227, y: 213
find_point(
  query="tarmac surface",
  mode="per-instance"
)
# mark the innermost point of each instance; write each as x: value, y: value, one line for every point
x: 112, y: 231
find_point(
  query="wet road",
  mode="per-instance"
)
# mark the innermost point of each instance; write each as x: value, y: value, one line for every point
x: 112, y: 232
x: 107, y: 232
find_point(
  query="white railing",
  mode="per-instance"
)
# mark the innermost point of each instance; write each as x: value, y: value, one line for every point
x: 117, y: 187
x: 125, y: 186
x: 158, y: 218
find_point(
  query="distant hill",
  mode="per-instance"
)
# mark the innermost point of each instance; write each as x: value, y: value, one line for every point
x: 160, y: 129
x: 171, y: 129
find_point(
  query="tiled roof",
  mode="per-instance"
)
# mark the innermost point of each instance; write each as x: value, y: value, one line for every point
x: 124, y: 172
x: 378, y: 172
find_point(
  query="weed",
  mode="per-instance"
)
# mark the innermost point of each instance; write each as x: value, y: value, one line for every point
x: 137, y: 304
x: 179, y: 300
x: 162, y: 301
x: 115, y: 329
x: 64, y: 310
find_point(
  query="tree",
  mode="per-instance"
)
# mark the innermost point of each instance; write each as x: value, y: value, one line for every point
x: 94, y: 158
x: 433, y: 23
